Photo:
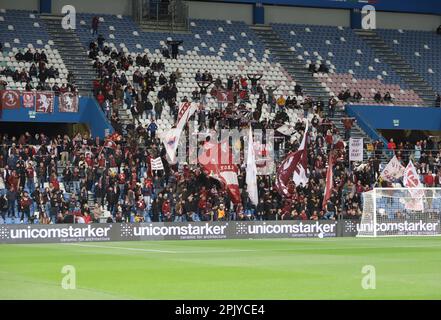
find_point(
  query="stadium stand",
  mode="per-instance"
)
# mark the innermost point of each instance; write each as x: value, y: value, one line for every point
x: 352, y: 64
x: 22, y: 30
x: 304, y: 84
x: 420, y: 49
x: 221, y: 47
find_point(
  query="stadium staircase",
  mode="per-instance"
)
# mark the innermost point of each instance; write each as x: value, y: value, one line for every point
x: 72, y: 52
x: 295, y: 68
x: 125, y: 116
x: 399, y: 65
x: 302, y: 76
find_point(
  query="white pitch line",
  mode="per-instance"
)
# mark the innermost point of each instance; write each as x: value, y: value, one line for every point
x: 120, y: 248
x: 162, y: 251
x: 294, y: 249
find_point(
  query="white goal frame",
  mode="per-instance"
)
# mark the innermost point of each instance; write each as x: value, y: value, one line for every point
x: 403, y: 212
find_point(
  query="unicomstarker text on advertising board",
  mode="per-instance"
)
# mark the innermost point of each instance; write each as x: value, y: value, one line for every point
x: 66, y: 233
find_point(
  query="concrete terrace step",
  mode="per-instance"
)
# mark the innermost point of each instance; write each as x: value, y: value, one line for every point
x: 72, y: 52
x: 399, y: 65
x: 296, y: 68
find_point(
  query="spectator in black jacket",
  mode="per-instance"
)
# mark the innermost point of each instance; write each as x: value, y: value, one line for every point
x: 3, y: 206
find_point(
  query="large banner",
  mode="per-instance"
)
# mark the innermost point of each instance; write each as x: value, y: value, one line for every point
x: 28, y: 100
x: 68, y: 102
x: 65, y: 233
x: 45, y: 102
x: 10, y: 99
x: 355, y: 149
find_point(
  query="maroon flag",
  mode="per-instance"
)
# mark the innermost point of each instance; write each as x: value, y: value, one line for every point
x: 216, y: 161
x: 28, y: 99
x: 45, y: 102
x: 10, y: 99
x: 329, y: 180
x: 68, y: 102
x: 224, y: 96
x: 294, y: 168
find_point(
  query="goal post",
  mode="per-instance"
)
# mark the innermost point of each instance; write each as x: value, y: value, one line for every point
x: 400, y: 212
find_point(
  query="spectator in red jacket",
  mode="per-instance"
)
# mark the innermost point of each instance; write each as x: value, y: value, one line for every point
x: 429, y: 179
x: 100, y: 98
x: 391, y: 145
x: 166, y: 210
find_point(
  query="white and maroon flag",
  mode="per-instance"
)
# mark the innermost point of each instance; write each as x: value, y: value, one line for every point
x: 68, y: 102
x: 28, y: 99
x: 293, y: 167
x: 286, y: 129
x: 109, y: 143
x: 170, y: 138
x: 393, y: 170
x: 251, y: 171
x: 45, y: 102
x: 412, y: 180
x: 216, y: 161
x: 186, y: 110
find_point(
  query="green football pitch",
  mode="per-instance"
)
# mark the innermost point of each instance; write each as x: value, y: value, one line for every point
x: 402, y: 268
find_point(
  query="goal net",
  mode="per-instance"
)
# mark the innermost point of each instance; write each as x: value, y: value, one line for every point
x: 400, y: 212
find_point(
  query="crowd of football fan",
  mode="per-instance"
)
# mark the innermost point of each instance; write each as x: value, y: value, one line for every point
x: 38, y: 70
x: 74, y: 179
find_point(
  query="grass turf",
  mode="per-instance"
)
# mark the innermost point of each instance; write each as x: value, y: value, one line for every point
x: 406, y: 268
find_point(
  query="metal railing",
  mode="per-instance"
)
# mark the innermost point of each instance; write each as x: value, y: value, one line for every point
x: 171, y: 14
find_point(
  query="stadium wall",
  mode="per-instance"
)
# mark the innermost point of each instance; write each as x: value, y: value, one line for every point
x: 220, y: 11
x: 123, y: 7
x: 299, y: 15
x: 408, y: 21
x: 420, y: 6
x: 397, y: 118
x: 21, y: 5
x: 89, y: 113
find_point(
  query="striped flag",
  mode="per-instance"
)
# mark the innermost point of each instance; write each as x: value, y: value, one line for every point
x: 156, y: 164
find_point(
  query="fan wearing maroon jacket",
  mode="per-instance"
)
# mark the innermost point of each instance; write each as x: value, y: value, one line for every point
x: 14, y: 179
x: 166, y: 209
x: 30, y: 178
x: 25, y: 206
